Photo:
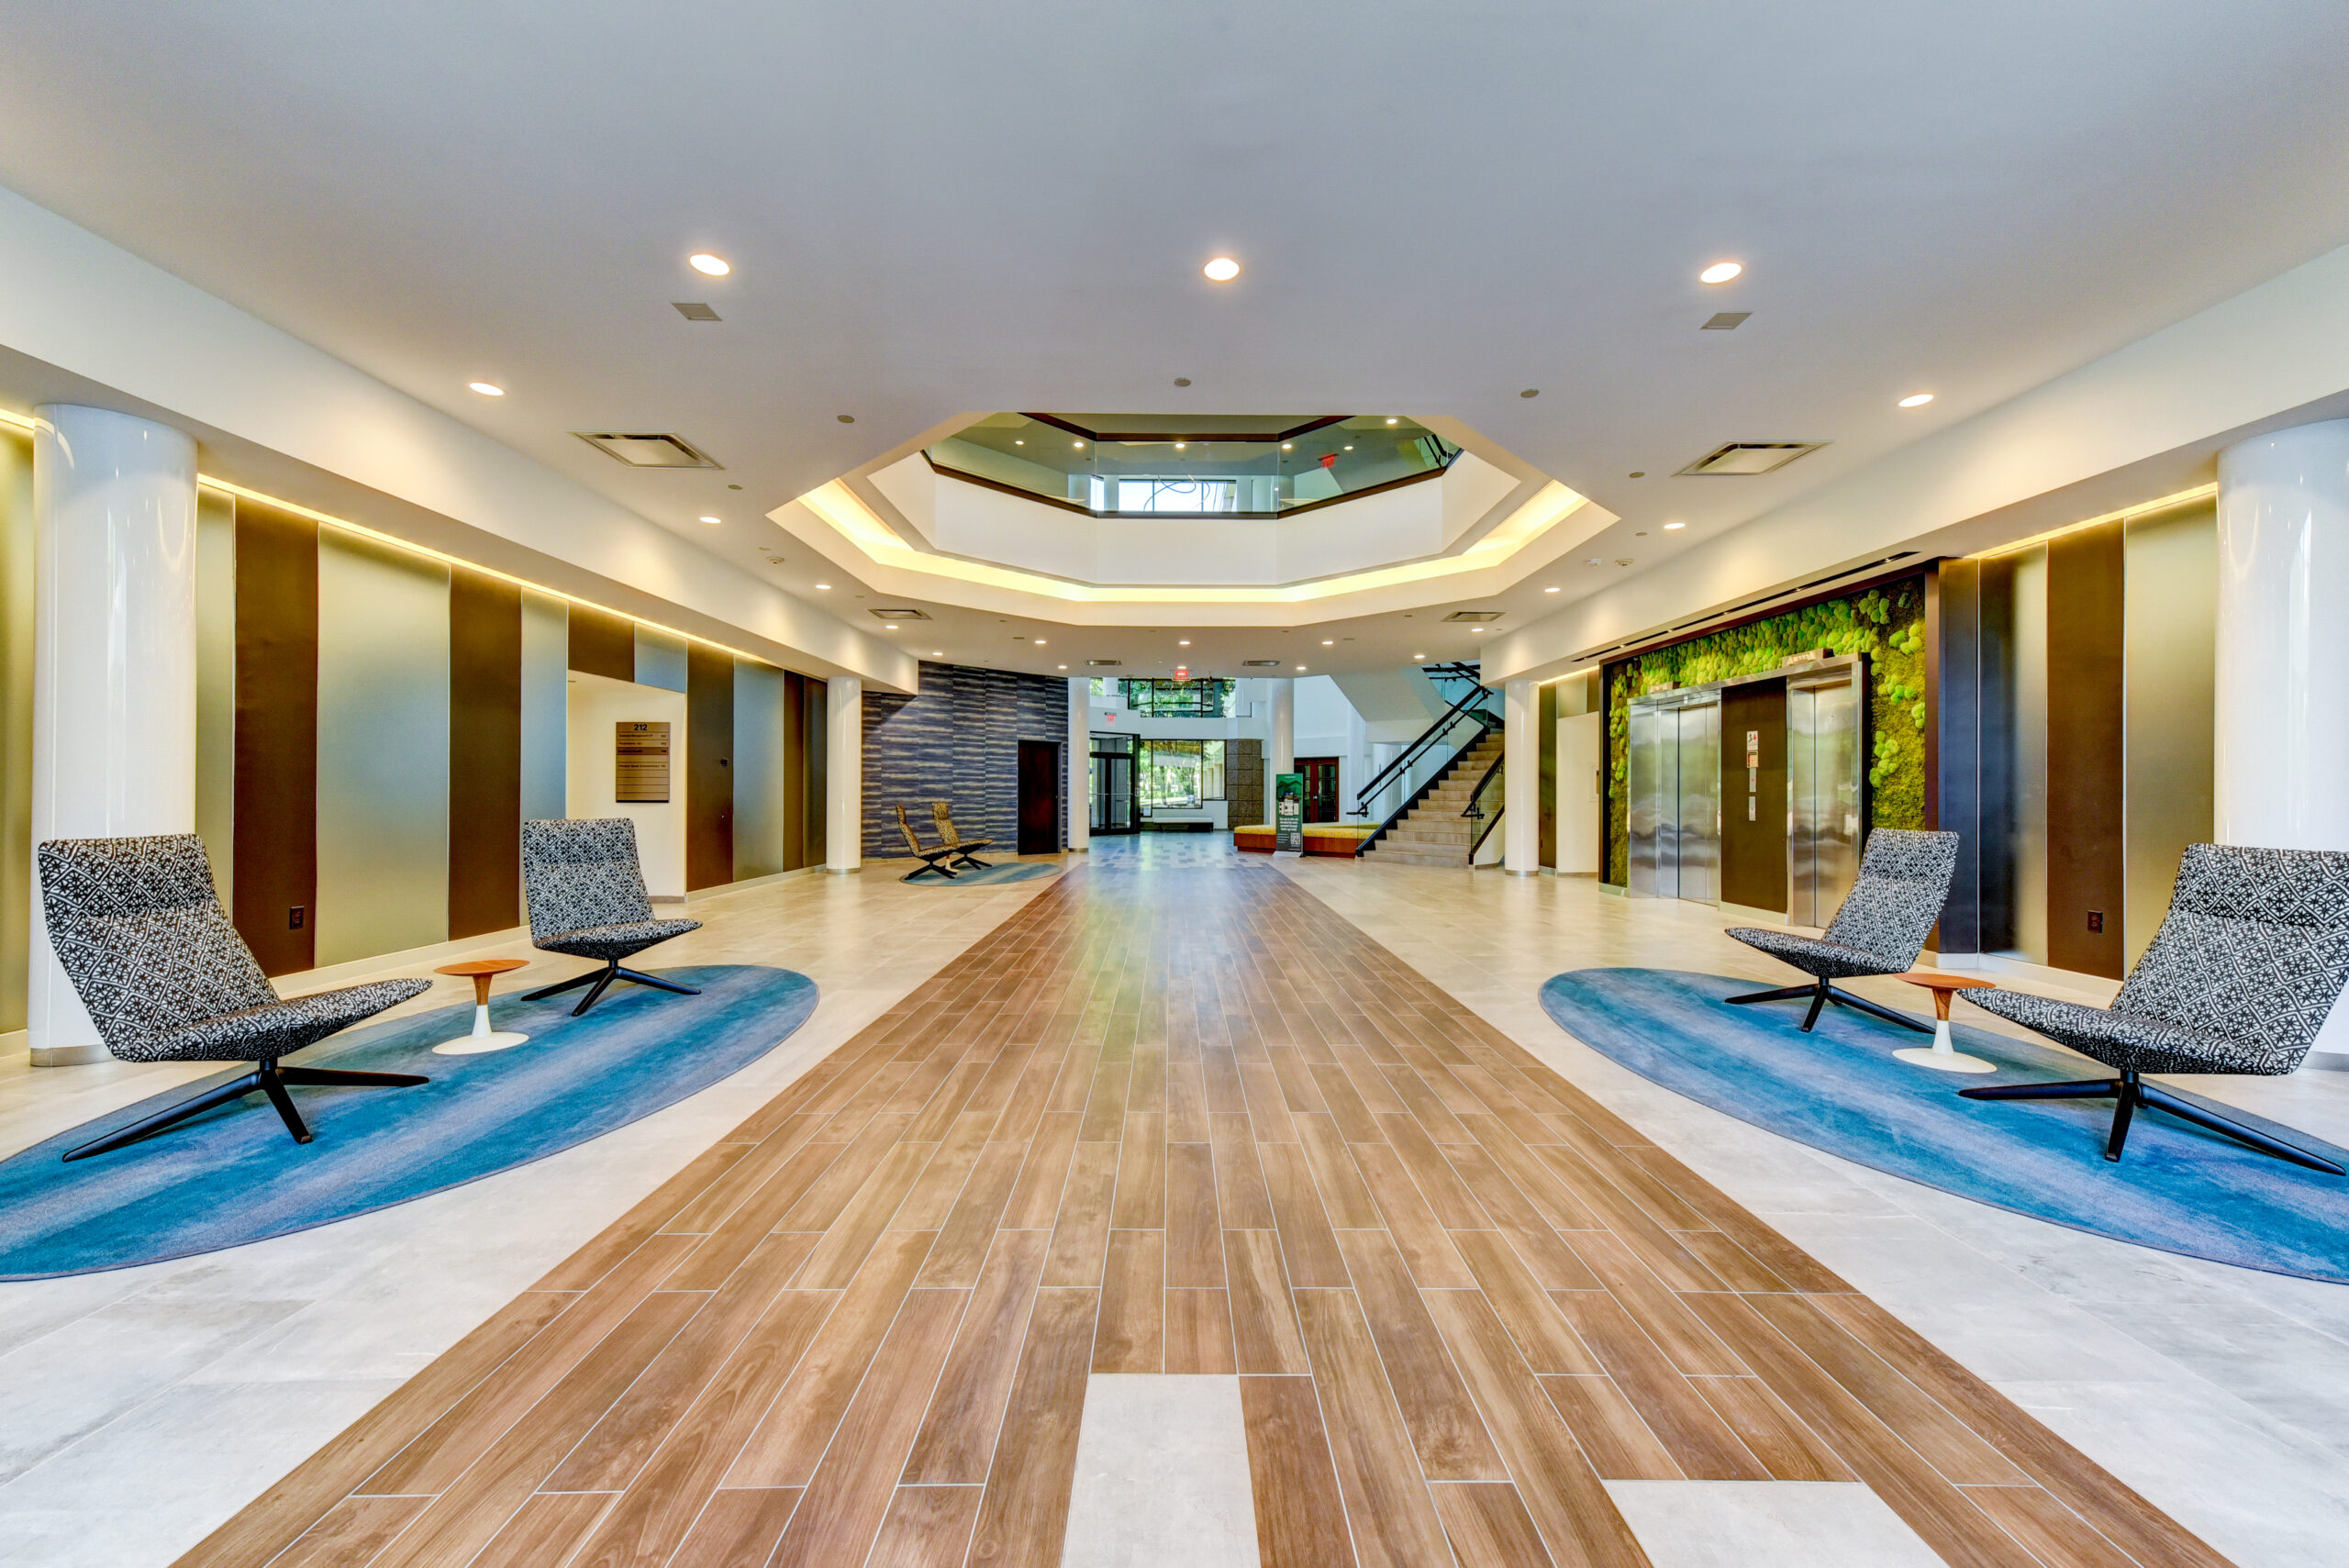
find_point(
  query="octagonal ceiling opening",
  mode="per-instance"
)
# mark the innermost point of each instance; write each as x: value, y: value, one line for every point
x: 1157, y: 466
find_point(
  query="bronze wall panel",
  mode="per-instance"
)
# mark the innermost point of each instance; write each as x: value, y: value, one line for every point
x: 1545, y: 719
x: 710, y: 766
x: 484, y: 754
x: 2087, y: 733
x: 603, y: 643
x: 1753, y: 854
x: 794, y: 770
x: 277, y: 810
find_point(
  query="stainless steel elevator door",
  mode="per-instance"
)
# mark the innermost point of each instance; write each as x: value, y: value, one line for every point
x: 1822, y: 797
x: 1653, y: 809
x: 1699, y: 841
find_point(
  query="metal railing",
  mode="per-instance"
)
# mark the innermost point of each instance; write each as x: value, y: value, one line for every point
x: 1467, y: 708
x: 1486, y: 802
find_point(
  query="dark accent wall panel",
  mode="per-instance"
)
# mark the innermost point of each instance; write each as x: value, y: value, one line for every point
x: 956, y: 739
x: 1545, y: 718
x: 710, y: 766
x: 817, y: 750
x: 1753, y: 854
x: 276, y: 855
x: 795, y: 771
x: 602, y: 643
x: 484, y: 754
x: 2086, y: 731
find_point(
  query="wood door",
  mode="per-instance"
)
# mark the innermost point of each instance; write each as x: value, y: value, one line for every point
x: 1320, y: 787
x: 1039, y: 797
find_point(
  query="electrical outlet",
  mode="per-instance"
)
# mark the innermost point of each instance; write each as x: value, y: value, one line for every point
x: 297, y: 915
x: 2095, y: 920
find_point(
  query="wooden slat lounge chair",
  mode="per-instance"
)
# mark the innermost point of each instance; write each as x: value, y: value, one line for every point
x: 929, y: 855
x: 966, y: 850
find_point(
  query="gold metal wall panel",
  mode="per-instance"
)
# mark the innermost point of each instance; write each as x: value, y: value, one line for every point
x: 215, y: 685
x: 2028, y: 740
x: 2171, y: 637
x: 383, y: 750
x: 546, y: 701
x: 761, y: 769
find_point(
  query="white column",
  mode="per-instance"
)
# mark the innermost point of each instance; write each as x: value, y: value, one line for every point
x: 2282, y: 750
x: 1382, y: 756
x: 1283, y: 695
x: 1520, y: 779
x: 1080, y: 763
x: 114, y: 661
x: 843, y: 775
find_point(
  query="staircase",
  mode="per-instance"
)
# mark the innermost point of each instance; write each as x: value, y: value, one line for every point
x: 1433, y: 833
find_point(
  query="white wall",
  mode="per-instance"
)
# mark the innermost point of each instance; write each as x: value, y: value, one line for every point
x: 278, y: 414
x: 599, y: 703
x: 1581, y: 755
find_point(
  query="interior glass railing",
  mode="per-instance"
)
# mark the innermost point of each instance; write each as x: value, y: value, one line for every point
x: 1485, y: 803
x: 1159, y: 466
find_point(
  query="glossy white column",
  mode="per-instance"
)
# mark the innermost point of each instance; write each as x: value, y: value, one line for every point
x: 1520, y: 827
x: 1284, y: 696
x: 114, y: 661
x: 1080, y: 763
x: 2282, y: 747
x: 843, y: 775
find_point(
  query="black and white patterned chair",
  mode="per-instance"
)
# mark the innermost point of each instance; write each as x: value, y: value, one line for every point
x: 586, y: 895
x: 140, y: 932
x: 2246, y: 965
x: 1879, y: 930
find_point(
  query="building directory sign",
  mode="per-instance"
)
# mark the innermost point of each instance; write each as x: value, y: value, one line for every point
x: 641, y: 759
x: 1288, y: 814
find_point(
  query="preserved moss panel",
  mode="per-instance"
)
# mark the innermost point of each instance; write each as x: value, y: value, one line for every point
x: 1886, y: 622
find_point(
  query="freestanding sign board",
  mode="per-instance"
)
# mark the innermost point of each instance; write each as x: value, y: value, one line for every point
x: 1288, y: 814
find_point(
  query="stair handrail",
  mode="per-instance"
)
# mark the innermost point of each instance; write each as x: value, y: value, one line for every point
x: 1362, y: 845
x: 1462, y: 707
x: 1475, y: 810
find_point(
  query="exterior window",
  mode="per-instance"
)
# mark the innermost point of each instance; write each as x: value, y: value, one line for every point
x: 1181, y: 772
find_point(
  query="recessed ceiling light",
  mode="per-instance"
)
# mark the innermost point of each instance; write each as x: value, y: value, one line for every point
x: 888, y: 625
x: 827, y: 587
x: 487, y: 388
x: 1393, y: 421
x: 1720, y: 273
x: 1669, y: 526
x: 938, y: 653
x: 1329, y: 642
x: 1915, y: 400
x: 1419, y: 655
x: 1019, y: 443
x: 1300, y: 666
x: 1349, y: 449
x: 1040, y: 642
x: 1549, y: 590
x: 1594, y: 561
x: 1477, y: 629
x: 1064, y: 666
x: 708, y: 519
x: 1288, y: 446
x: 1223, y: 269
x: 713, y: 266
x: 1183, y: 642
x: 1180, y: 445
x: 1078, y: 444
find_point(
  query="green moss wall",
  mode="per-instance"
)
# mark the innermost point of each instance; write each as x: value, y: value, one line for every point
x: 1886, y: 622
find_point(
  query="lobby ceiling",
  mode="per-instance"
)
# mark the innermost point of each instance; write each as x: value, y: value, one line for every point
x: 1436, y: 209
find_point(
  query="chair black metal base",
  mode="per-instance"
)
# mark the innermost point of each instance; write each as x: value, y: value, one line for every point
x: 929, y: 864
x: 598, y: 980
x: 969, y: 861
x: 269, y: 1077
x: 1821, y: 993
x: 2129, y: 1090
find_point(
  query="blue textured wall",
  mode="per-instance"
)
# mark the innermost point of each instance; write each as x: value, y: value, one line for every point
x: 957, y: 740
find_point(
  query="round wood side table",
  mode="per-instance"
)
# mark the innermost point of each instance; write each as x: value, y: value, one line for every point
x: 1942, y: 1055
x: 481, y: 970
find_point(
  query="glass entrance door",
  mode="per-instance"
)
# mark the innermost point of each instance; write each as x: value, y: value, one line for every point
x: 1113, y: 785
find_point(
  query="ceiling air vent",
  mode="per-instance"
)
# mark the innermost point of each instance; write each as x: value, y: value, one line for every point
x: 1473, y: 615
x: 664, y: 449
x: 1259, y: 663
x: 694, y: 310
x: 1105, y: 663
x: 903, y: 615
x: 1742, y: 460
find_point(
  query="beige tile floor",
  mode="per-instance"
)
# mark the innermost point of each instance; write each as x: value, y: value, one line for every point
x: 139, y: 1408
x: 2221, y: 1394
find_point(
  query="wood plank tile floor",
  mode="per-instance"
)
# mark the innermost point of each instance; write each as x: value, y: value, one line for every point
x: 1180, y: 1119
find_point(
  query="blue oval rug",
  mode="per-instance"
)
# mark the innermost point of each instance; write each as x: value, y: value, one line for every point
x: 993, y: 874
x: 2180, y: 1189
x: 233, y: 1175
